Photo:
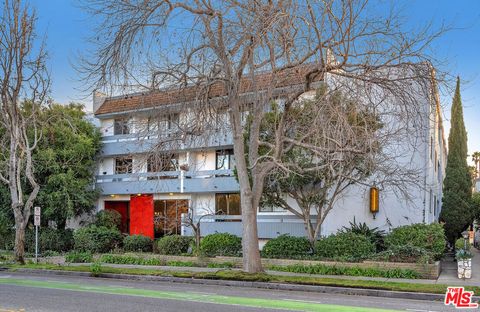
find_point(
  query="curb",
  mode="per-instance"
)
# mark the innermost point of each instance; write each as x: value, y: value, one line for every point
x: 260, y: 285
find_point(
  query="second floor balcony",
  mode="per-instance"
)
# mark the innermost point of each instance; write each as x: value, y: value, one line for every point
x: 128, y: 144
x: 209, y: 181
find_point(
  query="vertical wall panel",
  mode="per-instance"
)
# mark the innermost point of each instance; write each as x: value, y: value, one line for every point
x: 141, y: 215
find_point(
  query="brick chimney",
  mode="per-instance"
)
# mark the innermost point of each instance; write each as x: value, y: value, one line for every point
x: 98, y: 99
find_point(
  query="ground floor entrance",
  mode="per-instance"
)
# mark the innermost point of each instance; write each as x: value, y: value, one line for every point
x: 142, y: 215
x: 168, y: 216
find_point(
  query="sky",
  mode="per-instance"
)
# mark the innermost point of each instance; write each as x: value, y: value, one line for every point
x: 67, y: 28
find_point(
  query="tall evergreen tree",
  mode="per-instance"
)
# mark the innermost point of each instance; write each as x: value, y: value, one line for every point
x: 457, y: 186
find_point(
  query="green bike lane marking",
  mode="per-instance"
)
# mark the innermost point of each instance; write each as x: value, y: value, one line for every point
x: 296, y: 305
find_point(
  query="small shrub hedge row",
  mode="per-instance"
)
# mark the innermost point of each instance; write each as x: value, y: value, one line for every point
x: 345, y: 246
x: 221, y: 244
x: 173, y: 245
x: 352, y: 271
x: 430, y: 237
x: 285, y: 246
x: 97, y: 239
x: 137, y: 243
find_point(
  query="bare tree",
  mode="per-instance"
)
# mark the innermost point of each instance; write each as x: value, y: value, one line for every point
x: 331, y: 142
x: 232, y: 56
x: 23, y: 79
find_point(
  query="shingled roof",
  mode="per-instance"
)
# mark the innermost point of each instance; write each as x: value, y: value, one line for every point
x: 152, y: 99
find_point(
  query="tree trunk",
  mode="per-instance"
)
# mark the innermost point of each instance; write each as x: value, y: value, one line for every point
x: 20, y: 242
x: 197, y: 239
x: 251, y: 254
x: 310, y: 231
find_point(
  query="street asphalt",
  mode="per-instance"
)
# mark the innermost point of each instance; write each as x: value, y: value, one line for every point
x: 32, y: 292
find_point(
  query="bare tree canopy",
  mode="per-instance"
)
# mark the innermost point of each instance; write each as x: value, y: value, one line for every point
x: 239, y: 56
x: 23, y: 81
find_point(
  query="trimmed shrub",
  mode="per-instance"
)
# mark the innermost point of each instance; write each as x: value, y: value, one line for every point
x: 374, y: 234
x: 137, y: 243
x: 430, y: 237
x: 407, y: 253
x: 221, y: 244
x: 175, y: 245
x: 79, y: 257
x: 345, y: 246
x: 97, y: 239
x: 108, y: 218
x: 287, y: 247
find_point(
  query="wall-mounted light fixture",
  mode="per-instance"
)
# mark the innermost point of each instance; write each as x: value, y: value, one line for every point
x: 374, y: 201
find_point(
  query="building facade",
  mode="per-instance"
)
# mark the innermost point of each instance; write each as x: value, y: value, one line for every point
x: 154, y: 190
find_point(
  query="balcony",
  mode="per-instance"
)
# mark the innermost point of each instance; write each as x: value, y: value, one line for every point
x: 127, y: 144
x: 269, y: 226
x: 211, y: 181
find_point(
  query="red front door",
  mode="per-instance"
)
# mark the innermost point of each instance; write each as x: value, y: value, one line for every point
x: 141, y: 215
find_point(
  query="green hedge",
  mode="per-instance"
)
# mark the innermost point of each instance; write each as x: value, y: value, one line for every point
x: 221, y: 244
x: 351, y: 271
x: 108, y: 218
x: 344, y: 246
x: 97, y: 239
x: 430, y: 237
x: 137, y: 243
x: 49, y: 240
x: 175, y: 245
x: 407, y: 253
x: 287, y: 247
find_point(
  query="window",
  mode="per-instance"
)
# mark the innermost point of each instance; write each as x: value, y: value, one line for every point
x: 225, y: 160
x: 121, y: 126
x: 163, y: 123
x: 123, y: 165
x: 162, y: 162
x: 227, y: 204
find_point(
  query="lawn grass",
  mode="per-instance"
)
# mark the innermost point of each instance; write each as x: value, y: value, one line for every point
x: 259, y: 277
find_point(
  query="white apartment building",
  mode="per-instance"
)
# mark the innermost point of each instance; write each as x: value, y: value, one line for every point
x: 152, y: 195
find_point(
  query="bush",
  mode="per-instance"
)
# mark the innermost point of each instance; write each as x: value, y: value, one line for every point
x: 287, y: 247
x: 108, y: 218
x: 344, y: 246
x: 221, y: 244
x: 374, y: 234
x: 97, y: 239
x: 7, y: 240
x: 137, y: 243
x: 174, y: 245
x: 49, y: 240
x: 79, y: 257
x: 460, y: 244
x: 407, y: 253
x: 430, y: 237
